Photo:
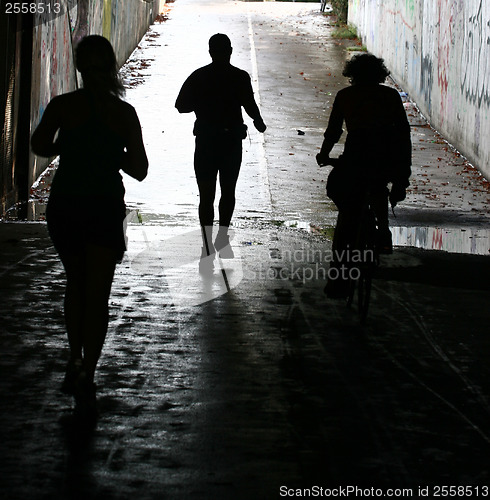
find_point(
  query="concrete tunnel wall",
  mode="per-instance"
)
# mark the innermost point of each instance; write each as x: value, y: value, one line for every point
x: 123, y: 22
x: 439, y: 51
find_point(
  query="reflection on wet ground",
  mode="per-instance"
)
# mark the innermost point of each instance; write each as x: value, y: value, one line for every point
x: 460, y: 240
x: 35, y: 208
x: 448, y: 239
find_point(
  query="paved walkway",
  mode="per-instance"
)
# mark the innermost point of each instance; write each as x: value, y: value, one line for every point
x: 235, y: 388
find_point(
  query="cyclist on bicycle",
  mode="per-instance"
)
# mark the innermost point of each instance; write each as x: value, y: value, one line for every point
x: 377, y: 152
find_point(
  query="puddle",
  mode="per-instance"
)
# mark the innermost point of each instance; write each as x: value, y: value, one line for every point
x: 446, y: 239
x: 298, y: 224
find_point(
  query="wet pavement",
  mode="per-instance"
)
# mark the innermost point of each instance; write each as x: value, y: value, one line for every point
x: 240, y: 384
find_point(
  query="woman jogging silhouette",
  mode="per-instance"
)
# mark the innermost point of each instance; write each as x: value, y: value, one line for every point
x: 96, y: 135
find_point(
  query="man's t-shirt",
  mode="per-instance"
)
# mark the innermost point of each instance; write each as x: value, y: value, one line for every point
x: 216, y: 93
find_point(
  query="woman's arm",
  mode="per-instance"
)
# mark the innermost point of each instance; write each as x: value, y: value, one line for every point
x: 135, y: 161
x: 43, y: 139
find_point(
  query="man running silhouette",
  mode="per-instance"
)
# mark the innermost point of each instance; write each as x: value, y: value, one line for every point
x: 216, y: 93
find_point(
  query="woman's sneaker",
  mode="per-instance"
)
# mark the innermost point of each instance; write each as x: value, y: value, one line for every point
x: 85, y: 399
x: 73, y: 370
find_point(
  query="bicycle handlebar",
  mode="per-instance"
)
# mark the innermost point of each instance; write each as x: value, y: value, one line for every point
x: 331, y: 161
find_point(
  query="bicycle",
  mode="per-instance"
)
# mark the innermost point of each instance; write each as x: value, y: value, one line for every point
x: 360, y: 275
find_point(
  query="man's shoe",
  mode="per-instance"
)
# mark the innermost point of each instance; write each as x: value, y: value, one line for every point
x: 222, y: 244
x: 206, y: 263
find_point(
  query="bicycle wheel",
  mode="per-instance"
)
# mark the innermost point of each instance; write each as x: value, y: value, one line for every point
x: 352, y: 291
x: 369, y: 263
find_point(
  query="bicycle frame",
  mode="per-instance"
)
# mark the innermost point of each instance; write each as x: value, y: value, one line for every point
x: 365, y: 244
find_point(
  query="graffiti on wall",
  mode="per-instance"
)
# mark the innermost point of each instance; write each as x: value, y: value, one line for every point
x: 123, y: 22
x: 475, y: 65
x: 445, y: 64
x: 49, y: 10
x: 444, y: 49
x: 426, y: 79
x: 79, y: 22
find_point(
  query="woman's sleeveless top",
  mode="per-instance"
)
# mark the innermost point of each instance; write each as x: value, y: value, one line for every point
x: 90, y: 161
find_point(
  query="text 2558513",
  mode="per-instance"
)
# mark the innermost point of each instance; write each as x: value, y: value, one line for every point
x: 32, y: 8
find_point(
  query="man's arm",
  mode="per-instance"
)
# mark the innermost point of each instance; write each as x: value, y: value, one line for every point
x: 250, y: 106
x: 185, y: 102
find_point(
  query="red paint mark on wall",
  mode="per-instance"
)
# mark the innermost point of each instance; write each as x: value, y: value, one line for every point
x: 437, y: 239
x: 444, y: 34
x: 54, y: 64
x: 398, y: 13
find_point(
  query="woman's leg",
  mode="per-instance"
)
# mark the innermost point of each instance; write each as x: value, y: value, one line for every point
x: 74, y: 306
x: 100, y: 263
x: 89, y: 280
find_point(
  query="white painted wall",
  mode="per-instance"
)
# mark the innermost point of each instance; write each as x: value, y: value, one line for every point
x: 439, y: 52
